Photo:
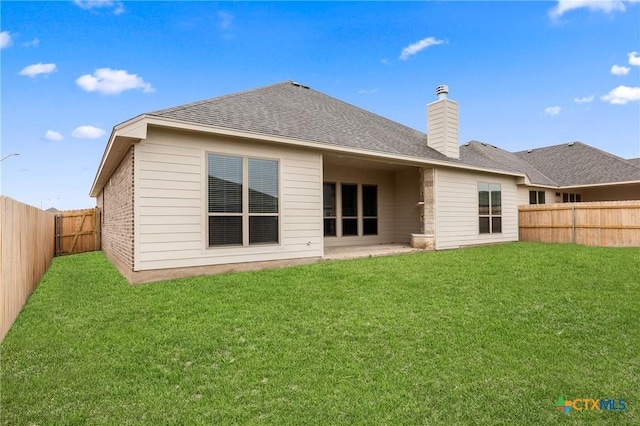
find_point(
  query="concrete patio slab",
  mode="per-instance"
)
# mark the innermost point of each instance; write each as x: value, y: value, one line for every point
x: 353, y: 252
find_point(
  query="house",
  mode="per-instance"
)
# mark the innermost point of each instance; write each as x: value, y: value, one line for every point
x: 277, y: 175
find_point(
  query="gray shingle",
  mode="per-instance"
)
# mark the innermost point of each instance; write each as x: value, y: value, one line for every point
x: 295, y: 111
x: 485, y: 155
x: 292, y: 110
x: 580, y: 164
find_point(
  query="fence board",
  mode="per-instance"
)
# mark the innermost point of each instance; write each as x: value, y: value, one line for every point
x: 26, y: 251
x: 605, y: 224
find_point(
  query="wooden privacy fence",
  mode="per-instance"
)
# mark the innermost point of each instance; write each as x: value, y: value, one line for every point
x: 605, y: 224
x: 26, y: 251
x: 77, y: 231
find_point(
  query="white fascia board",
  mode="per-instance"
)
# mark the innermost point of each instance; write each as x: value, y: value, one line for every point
x: 630, y: 182
x: 134, y: 129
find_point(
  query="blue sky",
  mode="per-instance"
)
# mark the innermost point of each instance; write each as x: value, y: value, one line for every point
x: 525, y: 74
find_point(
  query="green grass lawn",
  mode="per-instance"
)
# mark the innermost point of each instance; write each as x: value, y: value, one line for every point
x: 488, y: 335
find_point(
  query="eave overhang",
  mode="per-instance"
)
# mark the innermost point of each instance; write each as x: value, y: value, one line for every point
x: 135, y: 130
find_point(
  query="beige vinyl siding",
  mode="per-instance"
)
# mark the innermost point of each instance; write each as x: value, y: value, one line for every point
x: 442, y: 126
x: 456, y: 195
x: 407, y: 210
x: 171, y: 202
x: 386, y: 209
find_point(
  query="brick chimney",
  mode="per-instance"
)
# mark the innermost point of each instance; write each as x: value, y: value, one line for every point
x: 442, y: 124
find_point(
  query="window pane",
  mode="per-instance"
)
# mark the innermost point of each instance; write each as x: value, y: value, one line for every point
x: 329, y: 199
x: 225, y: 184
x: 263, y: 229
x: 349, y: 200
x: 369, y: 200
x: 541, y: 197
x: 496, y: 225
x: 578, y: 198
x: 263, y: 186
x: 496, y: 199
x: 532, y: 197
x: 484, y: 225
x: 565, y: 197
x: 483, y: 198
x: 369, y: 226
x: 225, y: 230
x: 349, y: 227
x: 329, y: 227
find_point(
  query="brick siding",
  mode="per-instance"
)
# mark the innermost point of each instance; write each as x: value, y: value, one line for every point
x: 116, y: 202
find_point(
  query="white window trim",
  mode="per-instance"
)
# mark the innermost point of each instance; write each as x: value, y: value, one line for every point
x: 245, y: 203
x: 490, y: 215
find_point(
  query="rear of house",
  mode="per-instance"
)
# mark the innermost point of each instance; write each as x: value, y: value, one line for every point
x: 277, y: 176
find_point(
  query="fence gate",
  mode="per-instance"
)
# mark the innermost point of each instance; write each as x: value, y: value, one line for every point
x: 77, y: 231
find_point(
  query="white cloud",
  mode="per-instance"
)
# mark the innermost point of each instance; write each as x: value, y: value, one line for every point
x: 112, y: 82
x: 52, y: 135
x: 225, y: 19
x: 87, y: 132
x: 33, y: 43
x: 606, y: 6
x: 117, y: 6
x: 5, y: 39
x: 367, y: 91
x: 554, y: 110
x: 622, y: 95
x: 37, y: 69
x: 619, y: 70
x: 634, y: 59
x: 416, y: 47
x: 584, y: 100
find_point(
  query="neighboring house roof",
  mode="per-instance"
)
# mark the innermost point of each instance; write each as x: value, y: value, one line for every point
x: 485, y: 155
x: 572, y: 164
x: 577, y: 164
x: 634, y: 161
x: 292, y: 110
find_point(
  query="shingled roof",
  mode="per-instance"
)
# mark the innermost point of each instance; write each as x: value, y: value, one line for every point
x: 489, y: 156
x: 575, y: 164
x: 295, y: 111
x: 292, y: 110
x: 634, y: 161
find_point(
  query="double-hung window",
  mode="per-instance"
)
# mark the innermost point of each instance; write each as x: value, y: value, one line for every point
x: 489, y: 208
x: 243, y: 205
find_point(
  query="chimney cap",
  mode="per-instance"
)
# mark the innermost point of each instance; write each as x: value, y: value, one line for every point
x: 442, y: 91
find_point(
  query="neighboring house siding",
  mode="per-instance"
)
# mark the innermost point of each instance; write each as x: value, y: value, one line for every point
x: 386, y: 209
x: 457, y: 209
x: 612, y: 193
x: 523, y: 195
x: 116, y: 202
x: 171, y: 226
